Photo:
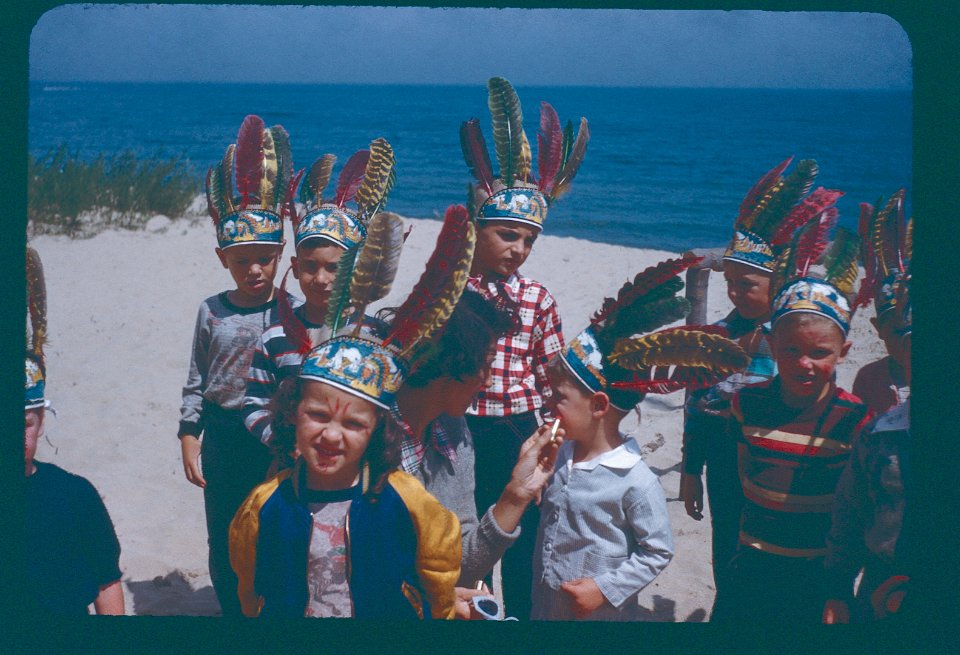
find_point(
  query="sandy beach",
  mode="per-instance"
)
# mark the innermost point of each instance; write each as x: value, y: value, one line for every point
x: 122, y: 308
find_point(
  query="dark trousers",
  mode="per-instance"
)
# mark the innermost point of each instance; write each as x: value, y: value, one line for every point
x: 725, y: 497
x: 496, y: 442
x: 233, y: 463
x: 766, y: 587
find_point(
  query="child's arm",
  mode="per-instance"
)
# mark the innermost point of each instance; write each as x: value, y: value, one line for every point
x: 244, y: 535
x: 438, y: 544
x: 191, y: 410
x: 646, y: 512
x: 261, y: 385
x: 547, y: 340
x: 110, y: 600
x: 846, y: 550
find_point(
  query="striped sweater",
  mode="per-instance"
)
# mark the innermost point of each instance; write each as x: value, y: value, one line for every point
x: 789, y: 461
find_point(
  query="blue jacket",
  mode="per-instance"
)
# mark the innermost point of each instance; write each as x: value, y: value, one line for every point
x: 403, y: 551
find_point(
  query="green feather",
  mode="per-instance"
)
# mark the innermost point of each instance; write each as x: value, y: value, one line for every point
x: 644, y: 317
x: 841, y: 258
x: 796, y: 185
x: 340, y: 294
x: 507, y: 126
x: 281, y: 143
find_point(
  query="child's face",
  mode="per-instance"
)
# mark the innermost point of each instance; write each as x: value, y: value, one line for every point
x: 32, y: 431
x: 315, y: 267
x: 333, y: 432
x: 502, y: 247
x: 748, y: 289
x: 569, y: 400
x: 807, y: 349
x: 253, y: 267
x: 887, y: 329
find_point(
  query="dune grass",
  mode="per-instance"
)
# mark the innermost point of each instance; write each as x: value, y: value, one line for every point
x: 79, y: 198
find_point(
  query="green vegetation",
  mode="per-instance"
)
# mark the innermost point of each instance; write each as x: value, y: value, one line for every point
x: 80, y: 198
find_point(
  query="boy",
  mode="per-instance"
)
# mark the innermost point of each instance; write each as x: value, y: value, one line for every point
x: 867, y: 527
x: 793, y: 435
x: 759, y: 234
x: 510, y: 211
x: 72, y: 552
x: 882, y: 384
x: 604, y: 531
x: 250, y: 238
x: 321, y: 236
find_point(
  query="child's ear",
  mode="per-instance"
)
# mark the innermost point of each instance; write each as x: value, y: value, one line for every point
x: 844, y: 349
x: 599, y: 404
x: 295, y: 267
x: 223, y: 258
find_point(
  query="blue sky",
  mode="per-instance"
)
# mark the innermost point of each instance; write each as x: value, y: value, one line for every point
x: 416, y: 45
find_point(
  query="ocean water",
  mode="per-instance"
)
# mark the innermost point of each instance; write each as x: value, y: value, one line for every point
x: 665, y: 168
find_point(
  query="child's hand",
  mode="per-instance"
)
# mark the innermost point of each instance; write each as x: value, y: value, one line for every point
x: 836, y: 611
x: 190, y: 451
x: 691, y: 492
x: 585, y: 596
x: 463, y: 607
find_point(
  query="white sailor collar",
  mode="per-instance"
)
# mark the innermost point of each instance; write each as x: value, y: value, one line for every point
x: 895, y: 419
x: 624, y: 456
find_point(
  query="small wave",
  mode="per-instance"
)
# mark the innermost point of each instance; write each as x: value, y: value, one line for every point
x: 61, y: 88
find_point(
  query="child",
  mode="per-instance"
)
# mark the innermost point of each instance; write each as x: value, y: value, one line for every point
x: 250, y: 239
x: 510, y: 211
x: 604, y: 532
x: 72, y: 552
x: 794, y: 434
x: 882, y: 384
x: 377, y: 545
x: 344, y: 534
x: 321, y: 236
x: 760, y: 231
x: 867, y: 528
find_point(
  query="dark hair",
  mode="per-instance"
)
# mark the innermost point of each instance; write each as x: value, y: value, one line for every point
x: 383, y: 451
x: 464, y: 345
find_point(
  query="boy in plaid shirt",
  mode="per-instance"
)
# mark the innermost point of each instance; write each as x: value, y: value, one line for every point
x: 510, y: 211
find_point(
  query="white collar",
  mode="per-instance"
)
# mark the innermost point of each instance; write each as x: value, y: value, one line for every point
x: 624, y: 456
x: 895, y: 418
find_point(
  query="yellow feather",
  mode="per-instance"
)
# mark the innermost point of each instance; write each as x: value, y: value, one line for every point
x: 679, y: 347
x: 524, y: 160
x: 268, y: 182
x: 226, y: 178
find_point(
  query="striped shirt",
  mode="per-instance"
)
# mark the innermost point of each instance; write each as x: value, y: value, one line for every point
x: 789, y: 461
x: 518, y: 372
x: 275, y: 358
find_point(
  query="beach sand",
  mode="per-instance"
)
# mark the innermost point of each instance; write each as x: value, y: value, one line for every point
x: 122, y: 308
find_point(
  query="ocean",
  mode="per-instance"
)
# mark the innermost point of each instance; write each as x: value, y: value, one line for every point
x: 665, y: 168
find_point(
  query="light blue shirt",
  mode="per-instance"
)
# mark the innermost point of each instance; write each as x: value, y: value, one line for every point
x: 605, y: 519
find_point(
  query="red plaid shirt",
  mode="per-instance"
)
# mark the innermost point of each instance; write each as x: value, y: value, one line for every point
x: 518, y: 372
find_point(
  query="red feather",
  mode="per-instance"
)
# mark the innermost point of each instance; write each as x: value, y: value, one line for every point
x: 683, y: 378
x: 812, y: 205
x: 434, y: 278
x: 764, y: 183
x: 814, y: 240
x: 709, y: 329
x: 644, y: 281
x: 293, y: 327
x: 549, y: 147
x: 289, y: 201
x: 351, y: 177
x: 475, y: 153
x: 249, y: 159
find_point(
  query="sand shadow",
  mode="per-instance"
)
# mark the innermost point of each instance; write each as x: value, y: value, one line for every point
x: 665, y: 609
x: 172, y: 595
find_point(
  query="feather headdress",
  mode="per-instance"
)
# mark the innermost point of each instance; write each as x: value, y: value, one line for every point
x: 35, y: 365
x: 516, y: 194
x: 774, y: 208
x: 884, y: 249
x: 373, y: 367
x: 620, y: 352
x: 248, y: 189
x: 816, y: 273
x: 366, y: 179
